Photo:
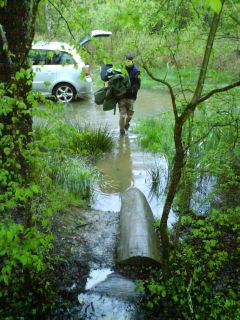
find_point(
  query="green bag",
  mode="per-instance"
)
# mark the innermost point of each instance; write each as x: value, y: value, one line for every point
x: 109, y: 104
x: 99, y: 96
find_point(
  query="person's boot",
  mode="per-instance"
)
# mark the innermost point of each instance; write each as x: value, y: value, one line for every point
x: 127, y: 125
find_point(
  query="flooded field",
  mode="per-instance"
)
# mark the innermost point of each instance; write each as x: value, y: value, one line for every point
x: 127, y: 165
x: 108, y: 294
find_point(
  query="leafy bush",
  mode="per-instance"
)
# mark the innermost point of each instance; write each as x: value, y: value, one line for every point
x: 72, y: 174
x: 24, y: 257
x: 205, y: 264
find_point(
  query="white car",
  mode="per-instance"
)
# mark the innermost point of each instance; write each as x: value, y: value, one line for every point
x: 58, y: 71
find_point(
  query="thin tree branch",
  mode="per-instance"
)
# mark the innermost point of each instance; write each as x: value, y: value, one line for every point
x: 169, y: 88
x: 179, y: 75
x: 64, y: 19
x: 192, y: 106
x: 223, y: 89
x: 207, y: 53
x: 216, y: 125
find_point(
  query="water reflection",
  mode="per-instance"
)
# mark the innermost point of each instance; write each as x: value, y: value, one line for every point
x: 117, y: 168
x: 149, y: 104
x: 128, y: 166
x: 96, y: 276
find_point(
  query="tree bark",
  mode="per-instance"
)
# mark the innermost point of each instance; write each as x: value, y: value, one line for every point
x: 18, y: 21
x: 179, y: 157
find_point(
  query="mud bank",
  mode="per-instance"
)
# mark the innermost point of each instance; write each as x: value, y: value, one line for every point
x: 85, y: 239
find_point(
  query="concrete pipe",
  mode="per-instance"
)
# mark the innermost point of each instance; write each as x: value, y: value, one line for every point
x: 138, y: 244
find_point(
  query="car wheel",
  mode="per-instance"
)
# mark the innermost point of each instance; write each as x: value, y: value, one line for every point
x: 64, y: 92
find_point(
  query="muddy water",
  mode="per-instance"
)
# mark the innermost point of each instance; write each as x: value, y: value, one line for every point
x: 148, y: 104
x: 127, y: 165
x: 109, y: 295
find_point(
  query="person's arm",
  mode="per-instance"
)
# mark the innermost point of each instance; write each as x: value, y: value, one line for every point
x: 137, y: 82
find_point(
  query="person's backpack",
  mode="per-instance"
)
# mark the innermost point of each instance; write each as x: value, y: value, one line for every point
x: 104, y: 69
x: 107, y: 71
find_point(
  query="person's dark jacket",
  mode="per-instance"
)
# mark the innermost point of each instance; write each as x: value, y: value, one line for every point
x: 134, y: 77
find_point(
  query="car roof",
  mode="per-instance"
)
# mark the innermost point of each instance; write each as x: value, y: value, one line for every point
x: 61, y: 46
x: 58, y: 46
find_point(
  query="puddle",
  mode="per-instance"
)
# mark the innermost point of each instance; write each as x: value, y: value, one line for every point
x: 148, y: 104
x: 126, y: 167
x: 95, y: 307
x: 110, y: 296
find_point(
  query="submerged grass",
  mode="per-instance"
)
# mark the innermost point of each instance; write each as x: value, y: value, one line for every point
x: 155, y: 175
x: 94, y: 140
x: 68, y: 150
x: 156, y: 135
x: 73, y: 174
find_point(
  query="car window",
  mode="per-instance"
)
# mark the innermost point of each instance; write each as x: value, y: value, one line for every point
x: 37, y: 56
x: 49, y: 54
x: 63, y: 58
x: 50, y: 57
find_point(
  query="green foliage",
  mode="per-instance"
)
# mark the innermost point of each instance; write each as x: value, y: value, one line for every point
x: 91, y: 140
x: 204, y: 262
x: 3, y: 3
x: 24, y: 256
x: 23, y: 247
x: 43, y: 171
x: 64, y: 145
x: 72, y: 174
x: 156, y: 135
x: 205, y: 255
x: 73, y: 137
x: 216, y: 5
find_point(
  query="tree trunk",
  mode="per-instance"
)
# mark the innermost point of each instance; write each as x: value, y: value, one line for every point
x: 17, y: 19
x: 172, y: 189
x: 179, y: 148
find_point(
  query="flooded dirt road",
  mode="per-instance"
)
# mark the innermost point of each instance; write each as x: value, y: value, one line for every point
x: 127, y: 165
x: 107, y: 294
x: 148, y: 104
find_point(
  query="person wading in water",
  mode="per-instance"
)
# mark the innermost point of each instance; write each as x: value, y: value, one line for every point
x: 127, y: 100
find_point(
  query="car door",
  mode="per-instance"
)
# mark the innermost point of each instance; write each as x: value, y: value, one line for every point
x: 67, y: 68
x: 44, y: 70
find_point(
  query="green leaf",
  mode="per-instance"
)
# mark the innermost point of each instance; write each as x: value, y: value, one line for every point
x: 163, y: 293
x: 216, y: 5
x: 7, y: 151
x: 149, y: 305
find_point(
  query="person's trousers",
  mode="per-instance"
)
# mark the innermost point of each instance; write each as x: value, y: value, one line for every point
x: 126, y: 111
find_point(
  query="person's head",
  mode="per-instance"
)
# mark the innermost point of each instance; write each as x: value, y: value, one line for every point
x: 129, y: 59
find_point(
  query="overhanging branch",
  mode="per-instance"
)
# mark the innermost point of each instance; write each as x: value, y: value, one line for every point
x: 168, y: 86
x: 214, y: 91
x: 192, y: 106
x: 64, y: 19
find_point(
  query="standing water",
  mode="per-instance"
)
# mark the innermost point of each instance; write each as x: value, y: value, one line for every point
x: 108, y: 294
x: 127, y: 165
